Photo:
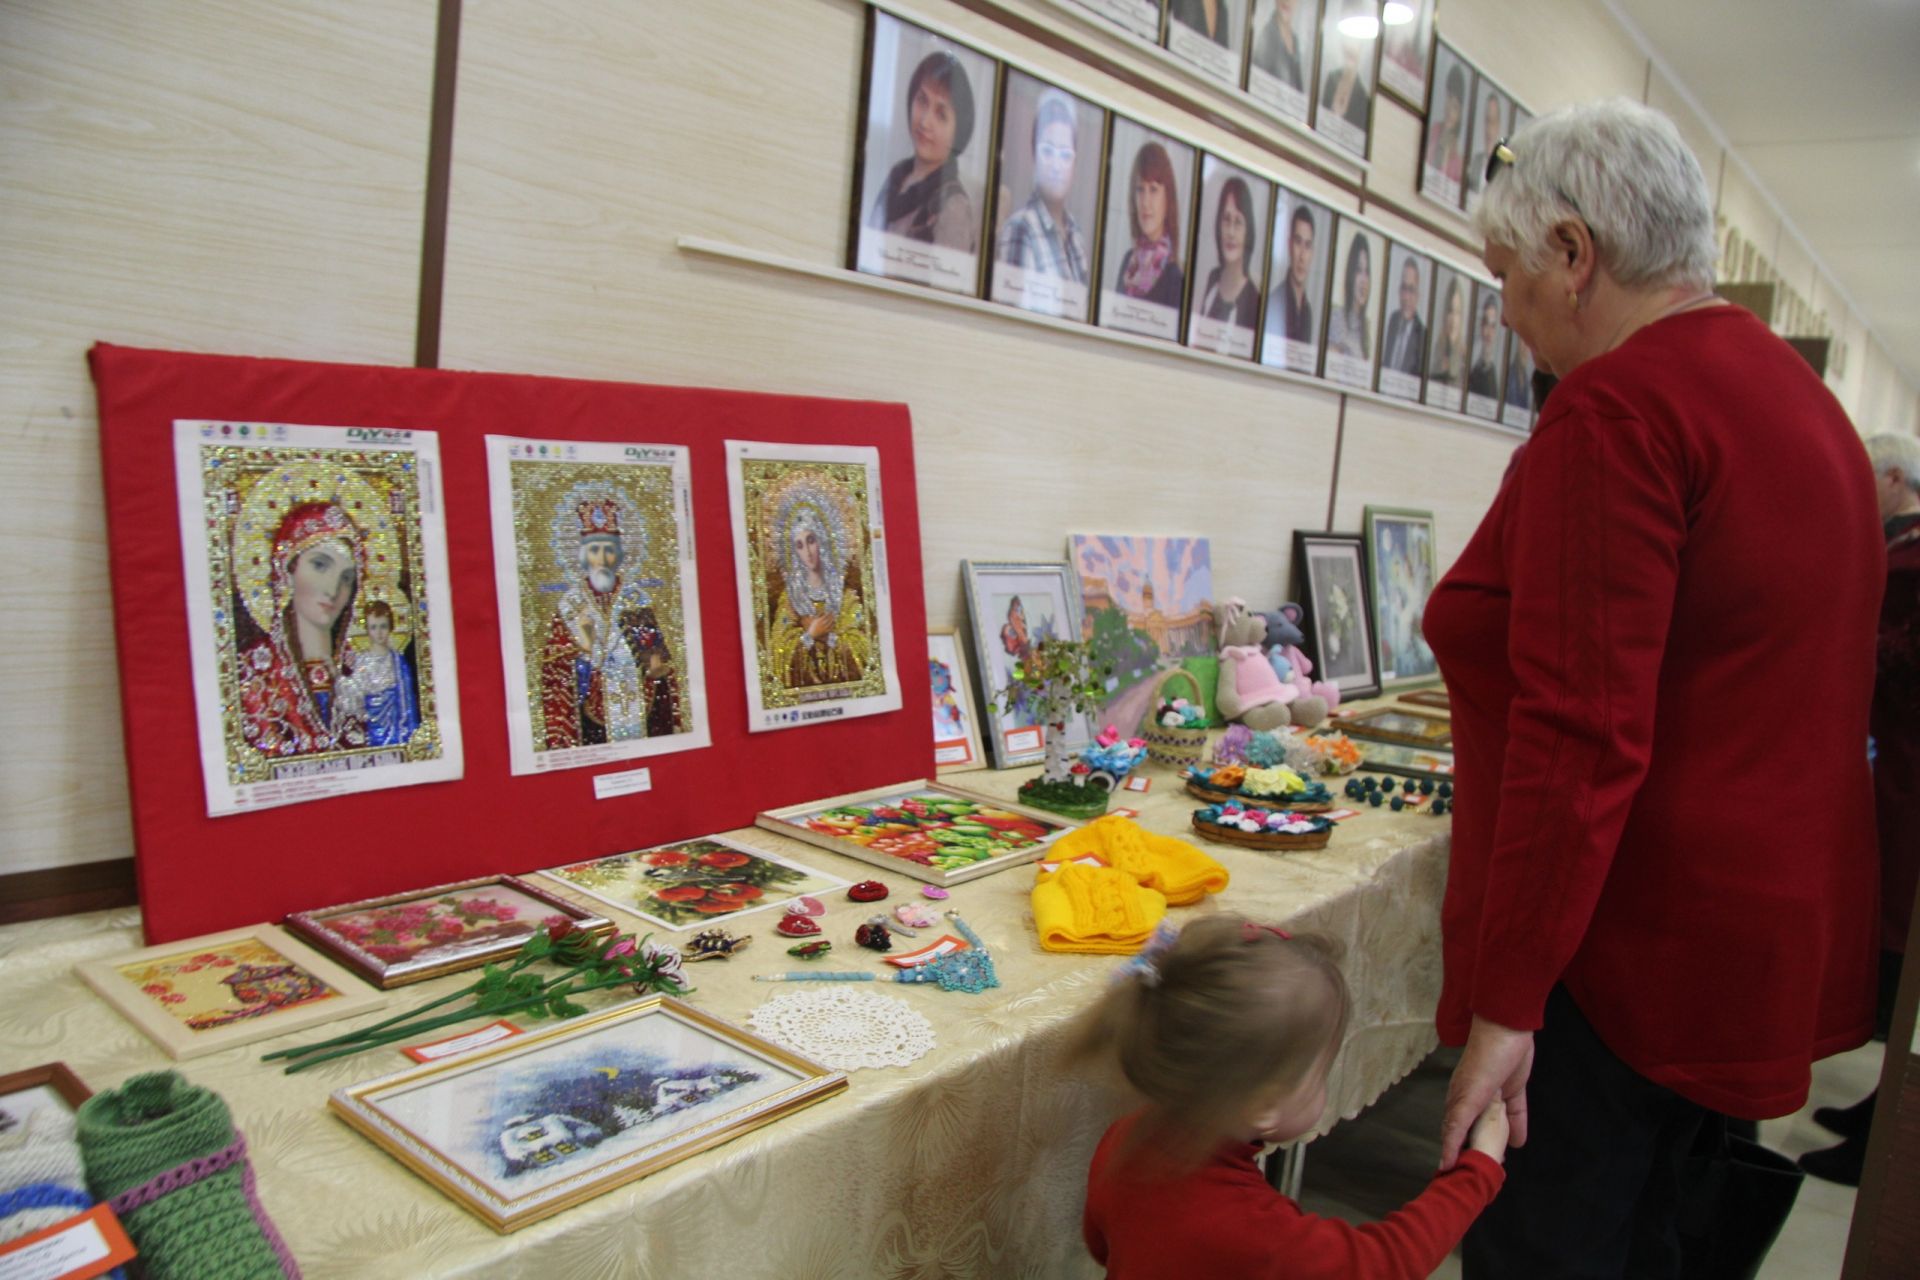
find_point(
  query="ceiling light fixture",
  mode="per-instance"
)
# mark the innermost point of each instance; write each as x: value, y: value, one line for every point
x: 1360, y: 26
x: 1396, y: 13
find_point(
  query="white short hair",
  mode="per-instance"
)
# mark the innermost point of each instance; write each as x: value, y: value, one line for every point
x: 1889, y: 450
x: 1622, y: 168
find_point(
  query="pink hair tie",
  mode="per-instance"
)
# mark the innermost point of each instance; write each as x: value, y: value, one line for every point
x: 1250, y: 932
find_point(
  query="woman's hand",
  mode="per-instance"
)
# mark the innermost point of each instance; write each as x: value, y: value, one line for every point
x: 1493, y: 1067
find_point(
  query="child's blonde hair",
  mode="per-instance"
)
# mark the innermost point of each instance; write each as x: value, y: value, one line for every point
x: 1228, y: 1015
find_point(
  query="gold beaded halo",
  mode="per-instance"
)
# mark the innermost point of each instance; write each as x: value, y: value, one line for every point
x: 290, y: 484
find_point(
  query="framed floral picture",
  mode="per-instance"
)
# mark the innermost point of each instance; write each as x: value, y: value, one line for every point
x: 1402, y: 568
x: 1330, y: 580
x: 1013, y: 606
x: 410, y: 937
x: 542, y: 1122
x: 921, y: 829
x: 956, y: 727
x: 201, y: 995
x: 691, y: 883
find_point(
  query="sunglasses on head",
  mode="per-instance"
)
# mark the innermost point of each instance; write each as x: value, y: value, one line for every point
x: 1502, y: 158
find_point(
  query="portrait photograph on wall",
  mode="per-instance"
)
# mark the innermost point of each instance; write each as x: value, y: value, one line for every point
x: 1013, y: 606
x: 1047, y: 206
x: 1143, y: 271
x: 1492, y: 121
x: 1280, y: 59
x: 816, y: 614
x: 1402, y: 571
x: 1352, y: 319
x: 1229, y: 259
x: 1449, y: 336
x: 1516, y: 405
x: 317, y: 610
x: 1330, y: 580
x: 599, y: 601
x: 1141, y: 17
x: 1210, y: 34
x: 1443, y: 156
x: 1406, y: 41
x: 1489, y: 337
x: 1302, y: 241
x: 920, y: 181
x: 1349, y: 48
x: 1403, y: 341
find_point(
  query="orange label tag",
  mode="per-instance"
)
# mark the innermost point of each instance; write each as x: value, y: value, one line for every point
x: 1020, y: 741
x: 82, y: 1246
x: 435, y: 1050
x: 1136, y: 783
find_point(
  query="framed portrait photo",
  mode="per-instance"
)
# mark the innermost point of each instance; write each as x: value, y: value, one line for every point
x: 1349, y: 52
x: 1488, y: 365
x: 1229, y: 259
x: 1013, y: 605
x: 932, y: 832
x: 1209, y: 34
x: 410, y: 937
x: 599, y: 601
x: 544, y: 1121
x: 1140, y: 17
x: 318, y: 613
x: 693, y: 883
x: 1443, y: 153
x: 1406, y: 42
x: 1047, y: 199
x: 1280, y: 56
x: 1149, y: 202
x: 1302, y: 243
x: 1353, y: 319
x: 1403, y: 339
x: 1492, y: 121
x: 956, y: 723
x: 816, y: 613
x: 201, y: 995
x: 1516, y: 404
x: 1330, y: 581
x: 920, y: 181
x: 1449, y: 340
x: 1402, y: 565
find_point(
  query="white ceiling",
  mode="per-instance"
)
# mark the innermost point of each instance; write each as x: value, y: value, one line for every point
x: 1821, y: 98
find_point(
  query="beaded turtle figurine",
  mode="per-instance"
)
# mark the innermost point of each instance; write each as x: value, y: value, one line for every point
x: 714, y: 944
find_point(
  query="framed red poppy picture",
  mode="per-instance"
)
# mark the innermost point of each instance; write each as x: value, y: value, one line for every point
x: 692, y: 883
x: 410, y: 937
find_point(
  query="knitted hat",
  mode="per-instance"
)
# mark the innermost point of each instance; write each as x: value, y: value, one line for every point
x: 1178, y: 870
x: 165, y: 1154
x: 1094, y: 910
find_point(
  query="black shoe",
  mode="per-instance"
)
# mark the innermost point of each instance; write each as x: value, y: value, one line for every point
x: 1841, y: 1164
x: 1848, y: 1122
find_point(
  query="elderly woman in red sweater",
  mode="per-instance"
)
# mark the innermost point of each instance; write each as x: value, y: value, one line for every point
x: 1659, y: 646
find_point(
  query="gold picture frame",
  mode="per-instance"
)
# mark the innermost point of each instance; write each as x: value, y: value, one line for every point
x: 1399, y: 725
x: 645, y: 1085
x: 275, y: 985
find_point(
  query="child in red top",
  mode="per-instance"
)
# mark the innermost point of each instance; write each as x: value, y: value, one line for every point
x: 1228, y: 1030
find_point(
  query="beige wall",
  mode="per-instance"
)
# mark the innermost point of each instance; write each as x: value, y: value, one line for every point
x: 249, y: 178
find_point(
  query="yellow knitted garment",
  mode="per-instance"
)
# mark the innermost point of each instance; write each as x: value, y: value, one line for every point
x: 1181, y: 873
x: 1094, y: 910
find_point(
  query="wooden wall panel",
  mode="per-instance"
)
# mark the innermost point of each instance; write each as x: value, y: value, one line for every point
x: 215, y: 176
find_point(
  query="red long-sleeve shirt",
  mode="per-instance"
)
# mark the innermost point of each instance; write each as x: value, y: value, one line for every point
x: 1659, y: 646
x: 1224, y: 1220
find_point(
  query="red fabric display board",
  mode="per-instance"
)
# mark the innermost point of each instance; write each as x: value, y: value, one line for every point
x: 198, y: 874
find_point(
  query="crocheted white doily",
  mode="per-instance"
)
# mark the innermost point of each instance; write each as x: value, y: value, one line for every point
x: 846, y: 1029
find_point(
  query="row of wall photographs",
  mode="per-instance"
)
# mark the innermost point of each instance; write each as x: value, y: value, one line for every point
x: 1468, y: 114
x: 1097, y: 218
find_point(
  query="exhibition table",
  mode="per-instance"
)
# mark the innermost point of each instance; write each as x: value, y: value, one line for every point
x: 970, y: 1162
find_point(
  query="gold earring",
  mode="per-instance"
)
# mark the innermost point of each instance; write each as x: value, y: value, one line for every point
x: 1573, y: 299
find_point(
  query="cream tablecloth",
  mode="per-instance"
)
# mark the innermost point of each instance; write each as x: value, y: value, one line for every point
x: 971, y: 1162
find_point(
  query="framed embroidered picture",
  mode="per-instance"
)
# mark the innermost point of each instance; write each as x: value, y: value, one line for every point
x: 816, y: 613
x: 931, y: 832
x: 1330, y: 582
x: 1398, y: 725
x: 694, y: 883
x: 1014, y: 605
x: 1401, y: 572
x: 201, y: 995
x: 599, y: 601
x: 410, y: 937
x: 317, y: 610
x: 542, y: 1122
x: 956, y: 724
x: 1435, y: 698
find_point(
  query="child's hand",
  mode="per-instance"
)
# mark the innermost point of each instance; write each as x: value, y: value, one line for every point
x: 1489, y: 1134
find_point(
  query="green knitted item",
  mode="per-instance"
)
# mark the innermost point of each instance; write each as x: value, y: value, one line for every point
x: 201, y: 1219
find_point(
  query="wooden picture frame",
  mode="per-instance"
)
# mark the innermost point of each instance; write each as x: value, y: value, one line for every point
x: 693, y: 884
x: 57, y: 1076
x: 300, y: 987
x: 957, y: 747
x: 374, y: 945
x: 582, y: 1107
x: 1326, y: 568
x: 1398, y: 725
x: 923, y: 808
x: 1438, y: 699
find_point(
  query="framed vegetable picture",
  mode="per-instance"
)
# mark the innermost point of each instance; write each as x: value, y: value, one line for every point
x: 1015, y: 605
x: 1330, y: 580
x: 542, y: 1122
x: 956, y: 726
x: 1401, y: 569
x: 201, y: 995
x: 691, y: 883
x: 921, y: 829
x: 410, y: 937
